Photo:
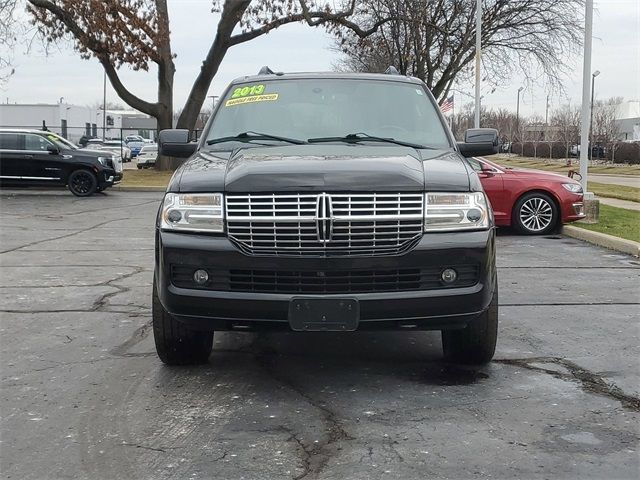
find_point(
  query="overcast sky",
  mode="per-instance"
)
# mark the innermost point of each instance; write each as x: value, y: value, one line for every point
x: 44, y: 79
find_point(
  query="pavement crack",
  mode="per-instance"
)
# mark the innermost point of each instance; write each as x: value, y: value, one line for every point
x: 589, y: 381
x: 315, y: 457
x: 138, y: 335
x: 102, y: 302
x: 59, y: 237
x: 145, y: 447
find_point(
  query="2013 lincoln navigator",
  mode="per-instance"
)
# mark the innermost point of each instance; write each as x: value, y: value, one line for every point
x: 319, y: 202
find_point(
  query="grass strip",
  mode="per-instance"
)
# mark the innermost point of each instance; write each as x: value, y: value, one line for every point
x: 618, y: 222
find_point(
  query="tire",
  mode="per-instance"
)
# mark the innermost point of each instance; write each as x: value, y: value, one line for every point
x: 476, y: 343
x: 535, y: 213
x: 175, y: 343
x: 82, y: 183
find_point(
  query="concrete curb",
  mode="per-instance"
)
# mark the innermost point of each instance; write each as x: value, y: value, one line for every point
x: 602, y: 239
x: 150, y: 188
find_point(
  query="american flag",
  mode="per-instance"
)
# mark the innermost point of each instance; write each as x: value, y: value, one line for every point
x: 447, y: 105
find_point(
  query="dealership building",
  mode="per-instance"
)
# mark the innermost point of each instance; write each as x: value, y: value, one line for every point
x: 73, y: 121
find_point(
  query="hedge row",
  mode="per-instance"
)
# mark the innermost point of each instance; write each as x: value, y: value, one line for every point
x: 624, y: 152
x: 527, y: 149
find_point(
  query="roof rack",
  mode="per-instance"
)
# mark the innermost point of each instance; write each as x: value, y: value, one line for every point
x: 265, y: 71
x: 392, y: 70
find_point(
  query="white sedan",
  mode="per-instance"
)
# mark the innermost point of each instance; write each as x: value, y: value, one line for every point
x: 147, y: 156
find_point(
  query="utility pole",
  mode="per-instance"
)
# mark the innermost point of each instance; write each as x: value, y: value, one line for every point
x: 593, y: 84
x: 586, y: 72
x: 518, y: 112
x: 546, y: 112
x: 478, y: 56
x: 104, y: 105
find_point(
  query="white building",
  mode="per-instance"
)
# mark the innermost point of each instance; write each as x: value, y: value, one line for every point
x: 120, y: 123
x: 73, y: 122
x: 628, y: 120
x: 70, y: 121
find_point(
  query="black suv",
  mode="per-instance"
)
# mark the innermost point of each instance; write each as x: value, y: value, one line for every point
x: 325, y: 202
x: 42, y: 158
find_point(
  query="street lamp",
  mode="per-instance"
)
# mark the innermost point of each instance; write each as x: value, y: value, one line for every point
x: 478, y: 58
x: 517, y: 117
x: 593, y: 82
x: 585, y: 118
x: 213, y: 101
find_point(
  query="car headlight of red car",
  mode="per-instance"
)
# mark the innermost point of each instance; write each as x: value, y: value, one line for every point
x: 573, y: 187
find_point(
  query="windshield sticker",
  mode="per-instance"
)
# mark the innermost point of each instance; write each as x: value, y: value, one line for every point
x: 248, y: 90
x: 267, y: 97
x: 419, y: 91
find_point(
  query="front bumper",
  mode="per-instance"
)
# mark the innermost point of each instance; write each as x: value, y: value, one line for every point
x: 572, y: 207
x: 427, y: 309
x: 108, y: 177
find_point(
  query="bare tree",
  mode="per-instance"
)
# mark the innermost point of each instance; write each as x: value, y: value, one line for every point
x: 502, y: 120
x: 136, y: 33
x: 567, y: 121
x: 605, y: 129
x: 434, y: 40
x: 535, y: 132
x: 7, y: 38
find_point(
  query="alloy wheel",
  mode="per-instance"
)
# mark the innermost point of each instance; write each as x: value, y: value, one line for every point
x: 536, y: 214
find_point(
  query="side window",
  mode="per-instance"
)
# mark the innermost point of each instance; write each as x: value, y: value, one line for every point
x: 36, y: 142
x: 10, y: 141
x: 475, y: 164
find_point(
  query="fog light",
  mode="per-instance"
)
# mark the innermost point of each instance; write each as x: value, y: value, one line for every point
x: 449, y: 275
x: 474, y: 215
x: 174, y: 216
x: 200, y: 277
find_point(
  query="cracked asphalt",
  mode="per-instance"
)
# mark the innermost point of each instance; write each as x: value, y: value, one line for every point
x: 83, y: 395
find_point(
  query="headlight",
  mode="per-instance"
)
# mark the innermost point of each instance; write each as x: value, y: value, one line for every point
x: 192, y: 212
x: 455, y: 211
x: 105, y: 161
x: 573, y: 187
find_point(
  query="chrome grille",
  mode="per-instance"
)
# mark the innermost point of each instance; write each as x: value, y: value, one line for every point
x: 324, y: 224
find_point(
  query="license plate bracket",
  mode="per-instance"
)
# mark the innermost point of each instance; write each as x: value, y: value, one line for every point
x: 324, y: 314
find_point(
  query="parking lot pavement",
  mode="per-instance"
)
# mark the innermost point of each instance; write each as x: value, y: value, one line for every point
x: 84, y: 396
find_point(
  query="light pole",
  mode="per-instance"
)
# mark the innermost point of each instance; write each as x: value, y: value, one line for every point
x: 593, y: 83
x: 546, y: 112
x: 104, y: 105
x: 478, y: 57
x: 586, y: 72
x: 518, y: 113
x: 213, y: 101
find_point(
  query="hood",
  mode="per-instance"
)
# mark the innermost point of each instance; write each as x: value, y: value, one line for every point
x: 322, y: 168
x: 549, y: 176
x: 91, y: 153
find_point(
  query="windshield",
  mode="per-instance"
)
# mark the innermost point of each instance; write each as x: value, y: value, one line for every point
x: 61, y: 142
x: 306, y: 109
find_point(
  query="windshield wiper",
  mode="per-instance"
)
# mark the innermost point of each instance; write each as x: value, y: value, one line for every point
x: 359, y: 137
x: 250, y: 135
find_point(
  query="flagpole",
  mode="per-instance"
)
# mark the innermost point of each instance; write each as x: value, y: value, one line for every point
x: 453, y: 112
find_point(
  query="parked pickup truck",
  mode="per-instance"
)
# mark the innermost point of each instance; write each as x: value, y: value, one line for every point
x: 325, y: 202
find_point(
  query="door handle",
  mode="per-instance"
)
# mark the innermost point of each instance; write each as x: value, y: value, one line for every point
x: 28, y: 156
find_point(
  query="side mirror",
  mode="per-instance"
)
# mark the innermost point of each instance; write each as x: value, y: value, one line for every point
x: 479, y: 142
x: 486, y: 169
x: 53, y: 150
x: 175, y: 143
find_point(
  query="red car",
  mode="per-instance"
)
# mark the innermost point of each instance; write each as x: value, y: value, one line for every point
x: 532, y: 201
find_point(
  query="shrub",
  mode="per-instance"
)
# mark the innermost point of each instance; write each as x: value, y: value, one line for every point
x: 626, y: 153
